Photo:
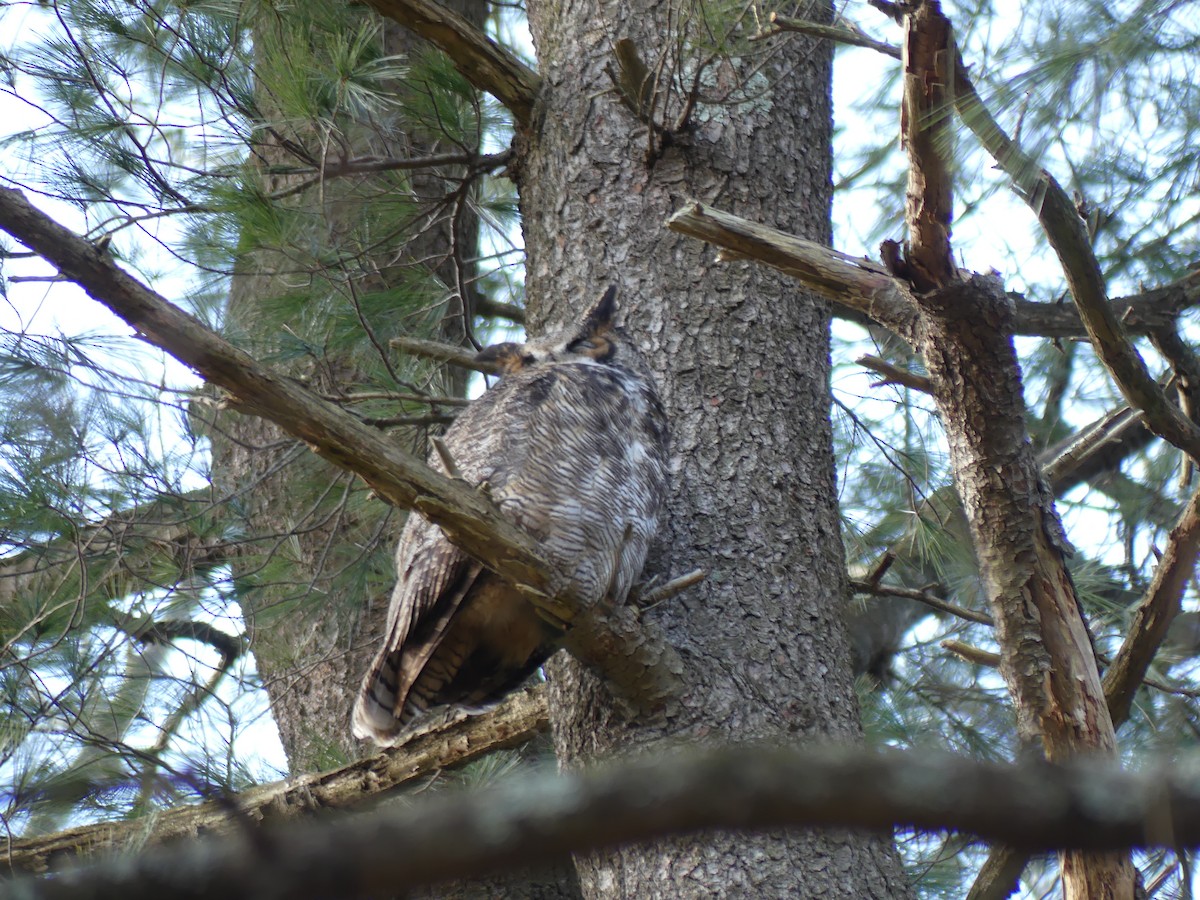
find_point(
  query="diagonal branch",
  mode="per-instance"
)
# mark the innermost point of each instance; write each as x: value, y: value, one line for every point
x: 1153, y: 616
x: 483, y: 62
x: 858, y: 284
x: 468, y: 518
x: 542, y: 817
x: 1067, y: 233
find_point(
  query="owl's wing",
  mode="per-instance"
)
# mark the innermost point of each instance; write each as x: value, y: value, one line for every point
x: 433, y: 577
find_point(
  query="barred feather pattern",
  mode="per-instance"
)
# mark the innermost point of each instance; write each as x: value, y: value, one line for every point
x: 572, y: 442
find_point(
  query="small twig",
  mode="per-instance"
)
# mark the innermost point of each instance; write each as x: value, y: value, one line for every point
x: 924, y: 595
x: 972, y: 654
x: 448, y: 353
x: 885, y: 563
x: 671, y: 588
x: 446, y: 457
x: 838, y: 33
x: 895, y: 375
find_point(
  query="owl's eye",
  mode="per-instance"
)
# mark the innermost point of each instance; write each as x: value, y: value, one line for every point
x: 582, y: 345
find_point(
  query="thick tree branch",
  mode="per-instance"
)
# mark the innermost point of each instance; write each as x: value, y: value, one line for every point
x: 488, y: 66
x: 468, y: 518
x: 1085, y: 805
x: 857, y: 284
x: 514, y: 722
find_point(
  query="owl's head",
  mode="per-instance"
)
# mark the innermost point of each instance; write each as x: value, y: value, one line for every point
x: 596, y: 338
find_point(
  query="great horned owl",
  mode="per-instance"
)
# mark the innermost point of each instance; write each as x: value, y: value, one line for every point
x: 572, y: 443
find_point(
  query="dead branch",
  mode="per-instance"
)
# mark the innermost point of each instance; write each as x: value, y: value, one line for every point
x: 925, y: 596
x: 926, y: 137
x: 514, y: 722
x: 447, y: 353
x: 1085, y: 805
x: 1150, y: 621
x: 483, y: 62
x: 1068, y: 236
x: 842, y: 33
x: 894, y: 374
x: 856, y: 283
x: 468, y: 518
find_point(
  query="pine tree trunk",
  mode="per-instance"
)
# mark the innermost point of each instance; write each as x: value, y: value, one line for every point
x: 743, y: 363
x: 315, y: 623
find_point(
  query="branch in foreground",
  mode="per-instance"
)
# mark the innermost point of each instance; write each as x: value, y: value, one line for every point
x: 469, y: 519
x: 514, y: 722
x: 483, y: 62
x: 1084, y: 805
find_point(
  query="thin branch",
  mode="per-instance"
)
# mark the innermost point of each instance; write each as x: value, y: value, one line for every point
x: 447, y: 353
x: 488, y: 66
x: 469, y: 519
x: 514, y: 722
x: 972, y: 654
x: 1086, y: 805
x: 494, y: 309
x: 1150, y: 621
x: 924, y: 595
x: 894, y: 374
x: 842, y: 34
x: 669, y: 589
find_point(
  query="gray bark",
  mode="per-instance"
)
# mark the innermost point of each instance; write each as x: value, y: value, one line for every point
x: 742, y: 360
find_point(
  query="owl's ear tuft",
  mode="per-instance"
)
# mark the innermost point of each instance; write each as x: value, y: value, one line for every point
x: 601, y: 317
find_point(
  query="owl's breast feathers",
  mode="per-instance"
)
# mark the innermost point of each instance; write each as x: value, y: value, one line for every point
x: 574, y: 451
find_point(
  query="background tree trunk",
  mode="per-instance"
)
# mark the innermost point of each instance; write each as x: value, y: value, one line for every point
x: 742, y: 361
x: 315, y: 621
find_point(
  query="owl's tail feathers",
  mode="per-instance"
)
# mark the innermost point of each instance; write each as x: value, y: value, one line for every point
x: 374, y: 715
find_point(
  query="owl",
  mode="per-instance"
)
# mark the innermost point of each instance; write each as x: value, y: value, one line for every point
x: 571, y: 444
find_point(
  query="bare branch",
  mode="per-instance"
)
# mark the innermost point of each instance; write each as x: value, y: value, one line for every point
x: 483, y: 62
x: 1085, y: 805
x: 859, y: 284
x: 894, y: 374
x: 972, y: 654
x: 448, y: 353
x: 468, y: 518
x: 842, y: 33
x: 924, y: 595
x: 1067, y: 233
x: 515, y: 721
x: 1150, y: 621
x: 926, y: 137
